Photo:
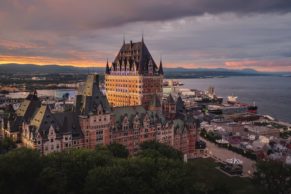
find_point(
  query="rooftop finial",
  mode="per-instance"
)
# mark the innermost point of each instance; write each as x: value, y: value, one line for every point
x: 107, y: 68
x: 161, y: 71
x: 142, y: 37
x: 123, y: 39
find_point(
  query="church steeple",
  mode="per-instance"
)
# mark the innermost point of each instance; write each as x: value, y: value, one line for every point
x: 107, y: 68
x: 161, y: 71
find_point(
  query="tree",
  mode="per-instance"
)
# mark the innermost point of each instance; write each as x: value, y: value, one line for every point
x: 50, y: 181
x: 7, y: 144
x: 76, y: 171
x: 163, y: 149
x: 118, y: 150
x: 142, y: 175
x: 19, y: 170
x: 273, y: 177
x: 74, y: 165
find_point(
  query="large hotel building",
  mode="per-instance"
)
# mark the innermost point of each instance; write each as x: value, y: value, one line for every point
x: 133, y: 78
x: 131, y: 113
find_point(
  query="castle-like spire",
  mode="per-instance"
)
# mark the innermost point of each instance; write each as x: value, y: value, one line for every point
x: 107, y: 68
x: 35, y: 93
x: 161, y: 71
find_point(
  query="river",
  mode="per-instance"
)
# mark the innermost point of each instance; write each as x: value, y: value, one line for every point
x: 271, y: 94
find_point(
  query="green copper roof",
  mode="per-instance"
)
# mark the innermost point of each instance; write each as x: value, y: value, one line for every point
x: 91, y: 97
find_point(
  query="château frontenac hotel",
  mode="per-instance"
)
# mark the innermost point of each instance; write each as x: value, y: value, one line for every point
x: 131, y: 112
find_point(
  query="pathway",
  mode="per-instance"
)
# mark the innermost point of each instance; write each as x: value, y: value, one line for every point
x: 221, y: 154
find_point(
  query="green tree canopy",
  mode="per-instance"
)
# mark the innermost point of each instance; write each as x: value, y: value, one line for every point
x: 273, y: 177
x: 153, y: 148
x: 6, y: 144
x: 118, y: 150
x: 19, y: 170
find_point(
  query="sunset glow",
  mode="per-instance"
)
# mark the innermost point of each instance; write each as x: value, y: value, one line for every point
x: 194, y: 34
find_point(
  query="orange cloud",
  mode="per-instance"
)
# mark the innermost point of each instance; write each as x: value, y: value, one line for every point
x: 8, y: 44
x: 46, y: 60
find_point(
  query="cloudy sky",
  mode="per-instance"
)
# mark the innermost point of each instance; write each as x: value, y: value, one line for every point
x: 185, y: 33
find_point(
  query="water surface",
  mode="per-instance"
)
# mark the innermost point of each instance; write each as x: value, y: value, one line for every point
x: 271, y: 94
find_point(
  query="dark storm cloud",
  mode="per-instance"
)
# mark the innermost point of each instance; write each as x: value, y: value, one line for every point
x: 188, y: 33
x: 83, y: 14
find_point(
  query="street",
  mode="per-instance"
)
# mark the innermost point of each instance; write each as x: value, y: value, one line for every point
x: 221, y: 154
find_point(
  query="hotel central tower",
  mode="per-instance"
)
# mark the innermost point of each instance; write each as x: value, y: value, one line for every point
x: 133, y: 78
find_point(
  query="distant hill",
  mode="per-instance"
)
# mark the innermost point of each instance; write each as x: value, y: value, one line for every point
x: 169, y: 72
x: 31, y: 68
x: 213, y: 72
x: 180, y: 69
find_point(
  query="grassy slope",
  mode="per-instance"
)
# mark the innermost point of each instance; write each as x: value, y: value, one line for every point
x: 207, y: 172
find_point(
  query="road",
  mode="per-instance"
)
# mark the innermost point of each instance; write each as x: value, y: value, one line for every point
x: 221, y: 154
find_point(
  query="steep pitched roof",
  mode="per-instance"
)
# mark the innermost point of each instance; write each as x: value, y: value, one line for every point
x: 135, y: 54
x: 131, y: 111
x: 180, y: 107
x: 155, y: 101
x: 182, y: 125
x: 179, y: 126
x: 161, y: 71
x: 43, y: 119
x: 28, y: 107
x: 68, y: 123
x: 63, y: 122
x: 91, y: 97
x: 170, y: 99
x: 11, y: 119
x: 24, y: 113
x: 119, y: 112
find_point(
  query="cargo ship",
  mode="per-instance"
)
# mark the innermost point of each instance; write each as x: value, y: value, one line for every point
x: 232, y: 107
x: 252, y: 108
